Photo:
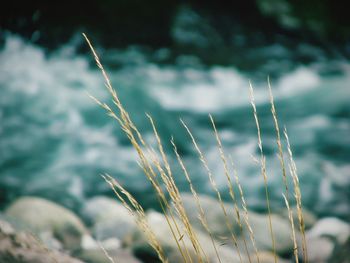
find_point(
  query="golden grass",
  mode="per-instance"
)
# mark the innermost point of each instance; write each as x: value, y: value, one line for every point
x: 215, y: 188
x: 297, y: 195
x: 283, y: 167
x: 155, y: 165
x: 147, y: 165
x: 232, y: 194
x: 137, y: 211
x: 263, y: 169
x: 202, y: 216
x: 245, y: 210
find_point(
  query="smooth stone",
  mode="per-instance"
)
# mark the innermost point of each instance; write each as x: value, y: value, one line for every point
x: 98, y: 255
x: 281, y: 230
x: 309, y: 218
x: 103, y: 251
x: 341, y: 253
x: 268, y: 257
x: 87, y: 242
x: 6, y: 228
x: 41, y: 215
x: 111, y: 243
x: 319, y: 249
x: 328, y: 241
x: 264, y: 257
x: 158, y: 223
x: 213, y: 213
x: 21, y: 247
x: 331, y: 227
x: 258, y: 222
x: 109, y: 218
x: 50, y: 241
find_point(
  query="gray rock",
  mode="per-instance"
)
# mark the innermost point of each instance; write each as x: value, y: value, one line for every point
x: 227, y: 252
x: 309, y: 218
x: 22, y: 247
x: 158, y: 223
x: 269, y: 257
x: 41, y: 215
x: 99, y: 255
x: 331, y: 227
x: 87, y: 242
x: 50, y: 241
x: 341, y: 253
x: 111, y: 243
x: 213, y: 213
x: 109, y: 218
x: 258, y: 222
x: 105, y: 251
x: 281, y: 229
x: 264, y: 257
x: 328, y: 241
x: 6, y: 228
x: 320, y: 249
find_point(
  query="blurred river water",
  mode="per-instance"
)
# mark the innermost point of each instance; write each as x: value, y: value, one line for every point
x: 55, y: 141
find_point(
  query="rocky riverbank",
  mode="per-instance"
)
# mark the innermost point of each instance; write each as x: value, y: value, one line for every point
x: 36, y: 230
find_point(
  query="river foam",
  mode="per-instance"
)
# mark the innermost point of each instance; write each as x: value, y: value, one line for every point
x: 55, y: 141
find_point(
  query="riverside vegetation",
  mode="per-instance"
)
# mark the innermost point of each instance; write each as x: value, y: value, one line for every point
x: 191, y: 228
x: 158, y: 171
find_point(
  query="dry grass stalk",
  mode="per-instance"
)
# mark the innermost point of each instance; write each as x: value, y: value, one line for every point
x: 106, y: 253
x: 201, y: 214
x: 278, y: 140
x: 151, y: 175
x: 284, y: 175
x: 263, y: 170
x: 229, y: 183
x: 297, y: 195
x: 138, y: 213
x: 175, y: 196
x: 215, y: 188
x: 155, y: 167
x: 245, y: 209
x: 290, y: 216
x: 137, y: 142
x: 41, y: 245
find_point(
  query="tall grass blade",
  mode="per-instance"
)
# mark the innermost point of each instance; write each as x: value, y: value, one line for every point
x: 263, y: 170
x: 215, y: 188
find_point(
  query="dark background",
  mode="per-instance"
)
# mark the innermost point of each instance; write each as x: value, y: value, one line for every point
x: 125, y: 22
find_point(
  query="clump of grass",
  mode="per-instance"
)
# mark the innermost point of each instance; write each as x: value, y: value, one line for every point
x: 155, y: 165
x: 232, y: 194
x: 297, y: 195
x: 263, y: 169
x: 216, y: 190
x: 138, y: 213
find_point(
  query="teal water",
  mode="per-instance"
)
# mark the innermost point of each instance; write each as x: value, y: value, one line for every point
x: 55, y: 141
